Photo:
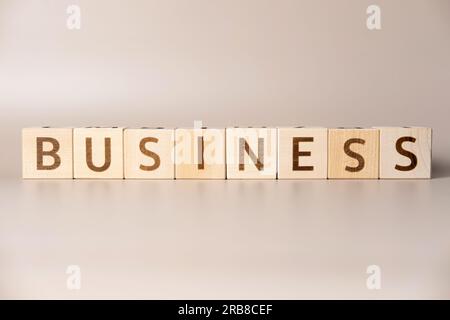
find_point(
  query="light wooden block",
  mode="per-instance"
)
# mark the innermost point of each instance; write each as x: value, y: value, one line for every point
x: 47, y: 153
x: 353, y: 153
x: 251, y: 153
x: 98, y: 153
x: 405, y: 153
x: 200, y: 153
x: 302, y: 153
x: 149, y: 153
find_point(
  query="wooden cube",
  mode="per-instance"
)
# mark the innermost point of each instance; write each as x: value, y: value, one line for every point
x: 353, y: 153
x: 149, y: 153
x: 200, y: 153
x: 405, y: 153
x: 251, y: 153
x: 98, y: 153
x: 302, y: 153
x: 47, y: 153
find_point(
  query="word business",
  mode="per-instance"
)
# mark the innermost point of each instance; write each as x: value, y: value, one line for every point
x: 231, y: 153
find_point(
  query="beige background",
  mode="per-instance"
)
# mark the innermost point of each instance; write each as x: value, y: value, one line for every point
x: 225, y: 62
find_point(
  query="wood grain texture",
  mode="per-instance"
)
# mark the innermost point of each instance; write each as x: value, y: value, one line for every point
x: 353, y: 153
x: 302, y: 153
x: 251, y: 153
x: 149, y: 153
x: 47, y: 153
x: 98, y: 153
x: 200, y: 153
x: 405, y: 153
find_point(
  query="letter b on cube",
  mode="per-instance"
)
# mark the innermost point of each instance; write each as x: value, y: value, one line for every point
x: 47, y: 153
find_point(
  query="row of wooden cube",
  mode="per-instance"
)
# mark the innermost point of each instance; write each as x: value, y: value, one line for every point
x: 232, y: 153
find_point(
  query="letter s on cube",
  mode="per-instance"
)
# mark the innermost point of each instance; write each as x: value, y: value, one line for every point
x: 353, y: 153
x: 405, y: 152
